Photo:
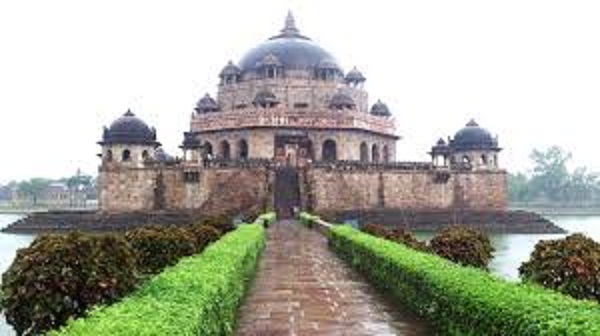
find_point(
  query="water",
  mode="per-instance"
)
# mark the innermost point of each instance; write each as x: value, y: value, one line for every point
x: 9, y: 244
x: 513, y: 249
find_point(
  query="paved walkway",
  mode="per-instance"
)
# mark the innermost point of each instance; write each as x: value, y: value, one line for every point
x: 302, y: 288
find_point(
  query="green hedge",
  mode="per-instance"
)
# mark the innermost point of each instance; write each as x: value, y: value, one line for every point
x: 463, y: 300
x: 308, y: 219
x: 197, y: 296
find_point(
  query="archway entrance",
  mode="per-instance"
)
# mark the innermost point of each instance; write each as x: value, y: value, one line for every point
x: 286, y: 191
x: 293, y: 149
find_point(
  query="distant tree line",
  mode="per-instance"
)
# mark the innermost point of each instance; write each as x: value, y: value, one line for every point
x: 551, y: 181
x: 35, y: 189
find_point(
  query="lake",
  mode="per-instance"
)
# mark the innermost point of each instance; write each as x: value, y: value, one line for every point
x: 9, y: 244
x: 511, y: 249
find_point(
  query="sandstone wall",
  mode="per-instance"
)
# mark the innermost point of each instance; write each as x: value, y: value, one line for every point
x: 335, y: 190
x: 126, y: 189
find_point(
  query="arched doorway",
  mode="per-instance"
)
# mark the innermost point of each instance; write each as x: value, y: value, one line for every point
x: 243, y: 149
x: 375, y: 153
x: 386, y: 154
x: 329, y: 152
x: 225, y: 150
x: 364, y: 152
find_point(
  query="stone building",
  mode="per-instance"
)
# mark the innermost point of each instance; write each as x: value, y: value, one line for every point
x: 289, y: 128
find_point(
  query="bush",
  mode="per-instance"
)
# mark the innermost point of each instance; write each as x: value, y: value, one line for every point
x: 223, y: 223
x: 570, y: 265
x: 397, y: 235
x: 463, y: 300
x: 376, y: 230
x: 202, y: 235
x: 198, y: 296
x: 60, y: 276
x: 463, y: 245
x: 158, y: 247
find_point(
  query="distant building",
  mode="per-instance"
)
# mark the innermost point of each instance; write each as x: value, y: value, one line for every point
x: 289, y: 128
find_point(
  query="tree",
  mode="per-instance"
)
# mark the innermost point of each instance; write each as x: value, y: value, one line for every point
x: 33, y: 188
x: 551, y: 180
x: 550, y: 175
x: 518, y: 187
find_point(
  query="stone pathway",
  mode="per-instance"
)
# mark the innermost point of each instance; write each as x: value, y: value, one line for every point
x: 302, y: 288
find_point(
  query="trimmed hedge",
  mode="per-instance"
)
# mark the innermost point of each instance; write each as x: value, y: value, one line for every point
x: 198, y: 296
x: 463, y: 300
x: 307, y: 219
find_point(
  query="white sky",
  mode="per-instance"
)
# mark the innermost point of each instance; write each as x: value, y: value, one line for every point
x: 527, y: 70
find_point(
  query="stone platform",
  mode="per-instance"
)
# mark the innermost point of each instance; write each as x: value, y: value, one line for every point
x: 91, y: 221
x: 302, y: 288
x: 489, y: 221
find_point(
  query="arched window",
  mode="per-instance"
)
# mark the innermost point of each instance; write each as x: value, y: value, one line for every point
x: 386, y: 154
x: 375, y: 153
x: 329, y: 152
x: 364, y: 152
x: 484, y: 160
x: 225, y: 150
x: 243, y: 149
x: 145, y: 155
x: 208, y: 148
x: 126, y: 155
x: 466, y: 160
x: 109, y: 156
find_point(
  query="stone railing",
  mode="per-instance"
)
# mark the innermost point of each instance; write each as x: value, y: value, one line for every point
x: 360, y: 165
x: 283, y: 117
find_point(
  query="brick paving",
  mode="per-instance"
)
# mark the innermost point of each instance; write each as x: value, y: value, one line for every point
x: 302, y: 288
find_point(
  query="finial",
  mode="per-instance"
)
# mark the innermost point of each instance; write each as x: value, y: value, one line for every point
x: 472, y: 123
x: 290, y: 25
x: 129, y: 113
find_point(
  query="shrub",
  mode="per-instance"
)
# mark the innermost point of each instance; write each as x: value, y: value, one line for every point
x: 223, y: 223
x: 158, y: 247
x: 202, y: 235
x: 463, y: 300
x: 376, y: 230
x: 570, y: 265
x: 198, y: 296
x: 60, y: 276
x: 463, y: 245
x: 397, y: 235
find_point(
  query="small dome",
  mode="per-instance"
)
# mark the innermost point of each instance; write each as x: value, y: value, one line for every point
x: 472, y: 136
x: 162, y: 156
x: 230, y: 70
x: 269, y: 60
x: 190, y: 141
x: 380, y: 109
x: 328, y: 63
x: 265, y: 98
x: 206, y: 104
x: 341, y: 100
x: 129, y: 129
x: 441, y: 142
x: 355, y: 76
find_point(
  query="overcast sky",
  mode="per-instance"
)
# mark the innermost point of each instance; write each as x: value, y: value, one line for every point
x: 528, y: 71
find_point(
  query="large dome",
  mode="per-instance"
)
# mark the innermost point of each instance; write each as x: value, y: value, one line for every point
x: 293, y: 50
